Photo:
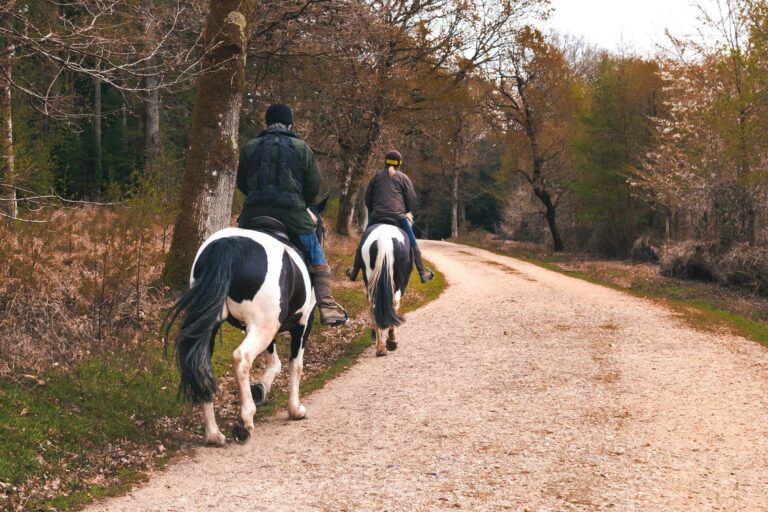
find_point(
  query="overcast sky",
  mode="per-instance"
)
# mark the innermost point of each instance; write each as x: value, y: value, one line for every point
x: 640, y: 24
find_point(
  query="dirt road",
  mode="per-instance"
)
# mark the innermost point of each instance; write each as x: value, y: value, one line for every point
x: 518, y: 389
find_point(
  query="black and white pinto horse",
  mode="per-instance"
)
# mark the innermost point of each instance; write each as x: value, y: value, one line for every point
x: 387, y: 264
x: 260, y: 284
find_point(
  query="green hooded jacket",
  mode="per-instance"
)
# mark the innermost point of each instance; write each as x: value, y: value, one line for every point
x: 304, y: 174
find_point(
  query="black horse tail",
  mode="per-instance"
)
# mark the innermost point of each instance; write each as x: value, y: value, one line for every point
x: 382, y: 287
x: 203, y: 305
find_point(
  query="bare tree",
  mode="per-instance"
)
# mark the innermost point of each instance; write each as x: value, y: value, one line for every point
x: 532, y: 95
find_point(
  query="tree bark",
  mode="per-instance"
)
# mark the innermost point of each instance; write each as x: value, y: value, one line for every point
x: 97, y: 167
x: 7, y: 165
x: 151, y: 99
x: 455, y: 203
x: 353, y: 181
x: 354, y: 173
x: 550, y: 213
x: 211, y: 164
x: 152, y: 146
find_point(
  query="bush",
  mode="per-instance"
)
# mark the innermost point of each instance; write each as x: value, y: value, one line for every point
x: 747, y: 266
x: 644, y: 250
x: 690, y: 260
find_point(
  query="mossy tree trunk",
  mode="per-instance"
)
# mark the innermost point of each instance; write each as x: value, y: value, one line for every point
x: 209, y: 176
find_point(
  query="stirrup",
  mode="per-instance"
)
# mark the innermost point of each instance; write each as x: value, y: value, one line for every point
x: 338, y: 322
x: 427, y: 272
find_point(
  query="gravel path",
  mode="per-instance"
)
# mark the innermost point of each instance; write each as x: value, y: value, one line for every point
x: 518, y: 389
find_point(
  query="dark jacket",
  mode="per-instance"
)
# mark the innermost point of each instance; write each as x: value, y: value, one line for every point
x: 389, y: 197
x: 303, y: 184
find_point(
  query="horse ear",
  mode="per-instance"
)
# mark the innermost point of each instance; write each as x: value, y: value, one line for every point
x: 322, y: 204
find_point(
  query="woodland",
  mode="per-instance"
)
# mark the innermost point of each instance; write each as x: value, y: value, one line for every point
x: 121, y: 121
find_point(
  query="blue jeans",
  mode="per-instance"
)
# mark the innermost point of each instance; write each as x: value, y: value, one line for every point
x: 312, y: 249
x: 404, y: 225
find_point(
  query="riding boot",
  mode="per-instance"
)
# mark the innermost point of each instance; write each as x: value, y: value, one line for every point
x: 424, y: 273
x: 330, y: 311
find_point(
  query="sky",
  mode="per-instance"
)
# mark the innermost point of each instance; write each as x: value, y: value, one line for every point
x: 639, y: 24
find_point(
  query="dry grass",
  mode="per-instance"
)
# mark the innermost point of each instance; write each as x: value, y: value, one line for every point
x: 78, y: 286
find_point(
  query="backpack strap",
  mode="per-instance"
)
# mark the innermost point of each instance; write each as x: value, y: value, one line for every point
x: 285, y: 176
x: 265, y: 162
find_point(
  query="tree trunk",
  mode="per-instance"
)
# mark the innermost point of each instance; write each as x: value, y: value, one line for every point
x: 97, y: 168
x: 7, y: 166
x: 455, y: 203
x: 360, y: 217
x: 211, y: 164
x: 352, y: 183
x: 354, y: 173
x: 550, y: 213
x: 151, y: 100
x: 152, y: 146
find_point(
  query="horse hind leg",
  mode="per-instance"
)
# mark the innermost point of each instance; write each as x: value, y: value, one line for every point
x: 381, y: 337
x: 391, y: 340
x: 391, y: 335
x: 299, y: 335
x: 213, y: 435
x: 272, y: 368
x: 255, y: 342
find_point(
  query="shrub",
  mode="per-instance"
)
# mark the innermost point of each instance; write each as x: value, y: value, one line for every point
x: 690, y: 260
x: 644, y: 250
x: 747, y: 266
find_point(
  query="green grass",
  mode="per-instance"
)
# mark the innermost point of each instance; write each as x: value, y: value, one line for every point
x: 80, y: 411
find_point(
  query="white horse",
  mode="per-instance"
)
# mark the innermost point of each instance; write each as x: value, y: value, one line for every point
x: 387, y: 264
x: 258, y: 282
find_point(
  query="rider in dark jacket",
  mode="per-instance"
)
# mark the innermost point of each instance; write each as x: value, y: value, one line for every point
x: 389, y: 198
x: 280, y: 179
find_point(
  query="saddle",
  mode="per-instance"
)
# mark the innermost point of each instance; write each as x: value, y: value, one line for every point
x: 276, y: 229
x: 388, y: 221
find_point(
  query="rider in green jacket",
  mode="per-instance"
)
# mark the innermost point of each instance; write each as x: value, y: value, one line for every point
x: 280, y: 179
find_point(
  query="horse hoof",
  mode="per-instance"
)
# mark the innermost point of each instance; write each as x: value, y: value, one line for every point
x: 259, y: 394
x: 391, y: 345
x: 217, y: 439
x: 381, y: 353
x: 239, y: 432
x: 298, y: 415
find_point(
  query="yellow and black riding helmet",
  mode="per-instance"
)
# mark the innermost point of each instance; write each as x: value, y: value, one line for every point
x: 393, y: 158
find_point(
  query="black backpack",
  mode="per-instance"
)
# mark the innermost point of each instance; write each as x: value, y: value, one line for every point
x: 275, y: 172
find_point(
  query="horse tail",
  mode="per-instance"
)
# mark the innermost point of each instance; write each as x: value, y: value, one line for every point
x: 381, y: 290
x: 203, y: 305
